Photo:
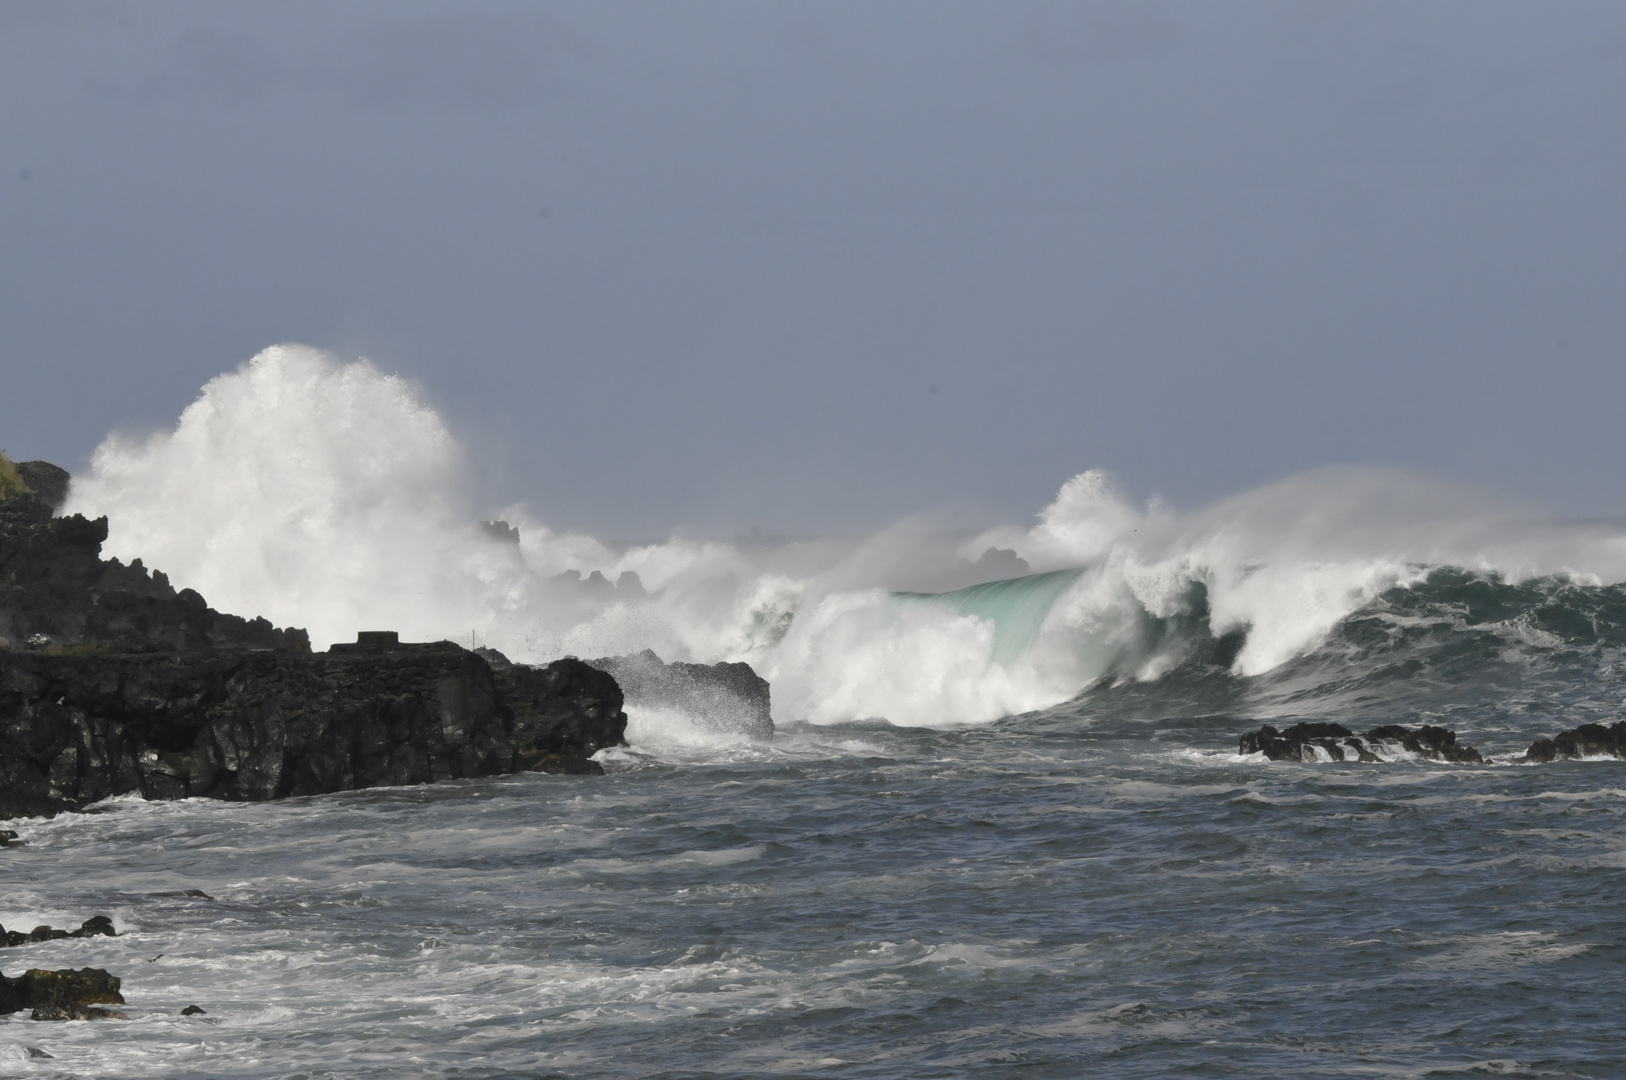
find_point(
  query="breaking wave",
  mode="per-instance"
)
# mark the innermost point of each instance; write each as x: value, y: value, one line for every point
x: 330, y: 495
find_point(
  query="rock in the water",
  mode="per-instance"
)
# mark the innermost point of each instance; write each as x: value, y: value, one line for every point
x: 1335, y: 742
x: 76, y: 1012
x: 1588, y: 740
x: 95, y: 926
x: 193, y: 1010
x: 723, y: 697
x: 66, y: 990
x: 266, y: 725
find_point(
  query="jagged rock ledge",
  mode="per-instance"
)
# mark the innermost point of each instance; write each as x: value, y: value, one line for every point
x: 1586, y: 741
x: 1311, y: 742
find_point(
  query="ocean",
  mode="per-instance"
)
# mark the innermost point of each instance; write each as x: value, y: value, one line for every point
x: 1002, y: 827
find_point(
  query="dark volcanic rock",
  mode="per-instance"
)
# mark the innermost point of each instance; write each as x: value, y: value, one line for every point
x: 1588, y: 740
x: 1301, y: 742
x: 46, y: 482
x: 95, y: 926
x: 61, y: 995
x: 56, y: 592
x: 265, y: 725
x: 725, y: 697
x: 111, y: 682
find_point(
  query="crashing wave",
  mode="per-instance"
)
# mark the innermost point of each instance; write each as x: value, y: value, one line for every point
x: 331, y: 495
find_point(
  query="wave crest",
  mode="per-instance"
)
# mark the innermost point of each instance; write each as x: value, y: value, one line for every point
x: 331, y: 495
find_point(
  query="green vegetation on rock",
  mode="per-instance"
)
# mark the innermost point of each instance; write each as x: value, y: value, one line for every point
x: 11, y: 481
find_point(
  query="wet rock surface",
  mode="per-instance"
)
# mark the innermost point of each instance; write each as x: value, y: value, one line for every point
x: 1588, y: 740
x: 729, y: 697
x: 62, y: 995
x: 1311, y: 742
x: 268, y: 725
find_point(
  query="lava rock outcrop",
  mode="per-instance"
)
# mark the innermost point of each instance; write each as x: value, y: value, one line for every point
x: 267, y: 725
x: 1334, y: 742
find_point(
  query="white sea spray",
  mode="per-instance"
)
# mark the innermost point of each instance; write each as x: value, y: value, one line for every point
x: 332, y: 496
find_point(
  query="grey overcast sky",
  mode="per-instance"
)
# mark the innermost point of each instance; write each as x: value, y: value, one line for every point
x: 812, y: 266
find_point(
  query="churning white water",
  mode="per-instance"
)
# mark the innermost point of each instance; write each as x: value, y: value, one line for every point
x: 328, y: 495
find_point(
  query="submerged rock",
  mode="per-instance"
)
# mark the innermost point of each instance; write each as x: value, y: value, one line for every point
x: 726, y: 697
x: 76, y: 1012
x: 1588, y: 740
x: 61, y: 995
x: 1335, y: 742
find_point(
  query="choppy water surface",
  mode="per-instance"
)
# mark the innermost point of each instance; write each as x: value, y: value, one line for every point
x: 1055, y: 895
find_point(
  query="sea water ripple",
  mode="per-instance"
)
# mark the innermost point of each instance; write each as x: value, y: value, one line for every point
x: 1045, y: 894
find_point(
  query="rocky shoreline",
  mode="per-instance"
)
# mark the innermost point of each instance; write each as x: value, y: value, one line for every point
x: 260, y: 725
x: 112, y: 682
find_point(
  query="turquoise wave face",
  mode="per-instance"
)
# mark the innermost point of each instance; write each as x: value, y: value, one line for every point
x: 1017, y: 607
x: 1494, y: 659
